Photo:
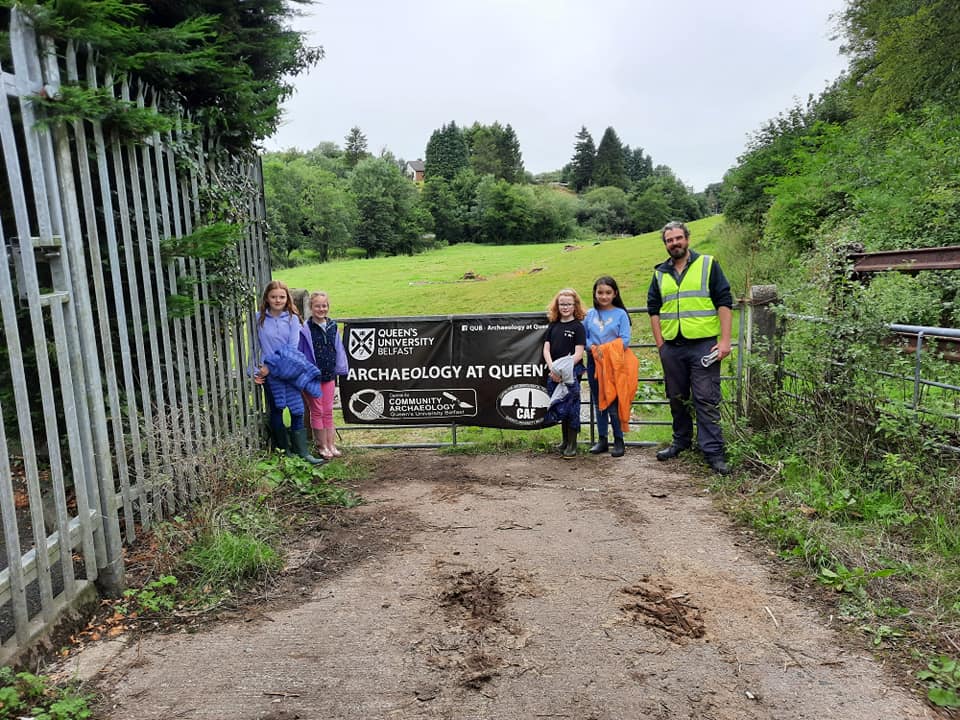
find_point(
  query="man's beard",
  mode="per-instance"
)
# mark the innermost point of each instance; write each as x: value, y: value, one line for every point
x: 677, y: 252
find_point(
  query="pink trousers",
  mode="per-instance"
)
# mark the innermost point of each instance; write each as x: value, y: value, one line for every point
x: 321, y: 408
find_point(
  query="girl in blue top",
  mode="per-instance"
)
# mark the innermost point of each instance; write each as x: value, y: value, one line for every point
x: 278, y: 326
x: 607, y: 320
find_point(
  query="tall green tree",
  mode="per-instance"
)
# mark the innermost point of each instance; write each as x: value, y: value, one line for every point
x: 508, y: 146
x: 582, y: 163
x: 482, y: 146
x: 390, y: 219
x: 605, y: 210
x: 308, y: 207
x: 464, y: 187
x: 636, y: 164
x: 495, y: 150
x: 660, y: 198
x: 446, y: 153
x: 440, y: 200
x: 608, y: 169
x: 903, y: 54
x: 355, y: 147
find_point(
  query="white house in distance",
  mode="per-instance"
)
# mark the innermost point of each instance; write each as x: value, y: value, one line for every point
x: 414, y: 170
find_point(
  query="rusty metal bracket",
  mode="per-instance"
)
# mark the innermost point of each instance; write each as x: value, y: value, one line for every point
x: 915, y: 260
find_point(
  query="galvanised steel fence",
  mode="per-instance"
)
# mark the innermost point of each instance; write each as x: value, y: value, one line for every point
x: 106, y: 395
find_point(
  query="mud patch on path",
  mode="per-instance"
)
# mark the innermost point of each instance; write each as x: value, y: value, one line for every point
x: 480, y: 633
x: 478, y: 592
x: 335, y: 543
x: 658, y: 606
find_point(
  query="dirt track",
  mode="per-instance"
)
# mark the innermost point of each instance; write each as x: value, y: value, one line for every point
x: 515, y: 586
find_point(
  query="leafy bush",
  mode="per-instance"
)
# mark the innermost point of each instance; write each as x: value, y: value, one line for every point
x: 308, y: 480
x: 155, y: 597
x: 943, y: 680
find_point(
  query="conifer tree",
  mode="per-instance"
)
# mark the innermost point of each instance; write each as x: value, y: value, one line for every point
x: 446, y: 153
x: 636, y: 164
x: 230, y: 62
x: 511, y: 159
x: 608, y: 168
x: 355, y: 149
x: 494, y: 150
x: 584, y: 157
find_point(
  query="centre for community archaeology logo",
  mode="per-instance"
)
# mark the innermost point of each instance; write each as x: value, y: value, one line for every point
x: 362, y: 342
x: 367, y: 404
x: 524, y: 404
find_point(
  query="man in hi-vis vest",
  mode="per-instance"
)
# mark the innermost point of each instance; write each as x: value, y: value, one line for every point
x: 689, y: 302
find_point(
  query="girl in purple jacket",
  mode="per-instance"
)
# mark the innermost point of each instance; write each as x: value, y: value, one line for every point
x: 320, y: 342
x: 278, y: 326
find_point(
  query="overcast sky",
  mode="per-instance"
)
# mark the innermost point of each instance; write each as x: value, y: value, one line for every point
x: 686, y: 80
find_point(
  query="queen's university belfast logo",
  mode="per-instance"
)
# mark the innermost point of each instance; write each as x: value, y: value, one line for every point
x: 362, y: 343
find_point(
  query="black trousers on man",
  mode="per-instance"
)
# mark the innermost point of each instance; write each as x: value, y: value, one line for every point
x: 693, y: 389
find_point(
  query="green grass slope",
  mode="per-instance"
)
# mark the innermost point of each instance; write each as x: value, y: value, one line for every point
x: 516, y: 278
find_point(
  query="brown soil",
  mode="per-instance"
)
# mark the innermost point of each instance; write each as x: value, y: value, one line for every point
x: 515, y: 586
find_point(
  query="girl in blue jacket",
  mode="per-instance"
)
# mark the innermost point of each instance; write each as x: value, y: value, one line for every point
x: 278, y: 332
x: 607, y: 320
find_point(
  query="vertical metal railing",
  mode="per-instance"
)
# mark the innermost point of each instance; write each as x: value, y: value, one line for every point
x: 109, y: 398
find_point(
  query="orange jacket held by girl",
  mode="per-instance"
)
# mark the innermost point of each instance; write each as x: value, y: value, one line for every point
x: 616, y: 370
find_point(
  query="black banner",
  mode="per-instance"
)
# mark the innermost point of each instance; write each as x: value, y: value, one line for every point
x: 482, y: 371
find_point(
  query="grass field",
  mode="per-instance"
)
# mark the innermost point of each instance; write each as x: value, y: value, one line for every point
x: 517, y: 278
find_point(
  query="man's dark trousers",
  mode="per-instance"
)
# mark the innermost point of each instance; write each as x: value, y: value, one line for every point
x: 684, y: 376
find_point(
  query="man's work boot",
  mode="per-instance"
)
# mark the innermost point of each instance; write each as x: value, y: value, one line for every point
x: 669, y: 452
x: 718, y: 465
x: 570, y: 451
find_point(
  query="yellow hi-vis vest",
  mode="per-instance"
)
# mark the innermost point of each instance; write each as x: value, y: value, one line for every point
x: 688, y: 306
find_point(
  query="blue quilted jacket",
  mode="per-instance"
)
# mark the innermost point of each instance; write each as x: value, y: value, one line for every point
x: 291, y: 375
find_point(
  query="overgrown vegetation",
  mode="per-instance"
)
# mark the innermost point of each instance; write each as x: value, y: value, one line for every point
x: 841, y: 472
x: 25, y: 695
x: 870, y: 164
x: 849, y: 478
x: 235, y: 536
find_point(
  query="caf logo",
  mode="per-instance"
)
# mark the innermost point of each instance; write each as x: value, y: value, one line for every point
x: 361, y: 342
x: 523, y: 404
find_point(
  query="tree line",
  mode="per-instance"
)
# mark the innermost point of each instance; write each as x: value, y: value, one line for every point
x: 871, y: 163
x: 331, y: 199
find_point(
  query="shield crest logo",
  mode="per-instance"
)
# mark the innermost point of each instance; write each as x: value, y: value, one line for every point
x: 361, y: 343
